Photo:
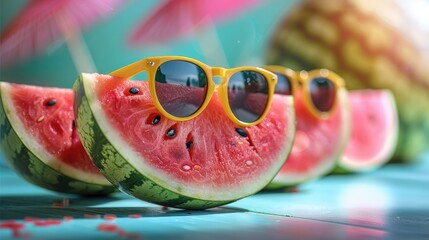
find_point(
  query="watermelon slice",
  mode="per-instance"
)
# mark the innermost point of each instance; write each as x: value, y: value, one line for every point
x: 374, y: 131
x: 197, y: 164
x: 39, y: 140
x: 317, y: 146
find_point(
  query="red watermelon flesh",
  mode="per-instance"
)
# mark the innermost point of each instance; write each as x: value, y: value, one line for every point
x: 206, y: 154
x: 374, y: 130
x: 317, y: 144
x: 47, y: 118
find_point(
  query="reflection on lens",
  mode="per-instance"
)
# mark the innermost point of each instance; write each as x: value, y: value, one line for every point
x: 322, y: 92
x: 248, y: 95
x: 181, y: 87
x: 283, y: 85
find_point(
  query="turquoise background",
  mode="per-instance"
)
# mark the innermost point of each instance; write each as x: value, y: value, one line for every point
x: 242, y: 37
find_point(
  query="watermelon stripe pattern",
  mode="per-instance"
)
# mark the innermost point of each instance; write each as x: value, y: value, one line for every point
x: 31, y: 168
x: 371, y: 44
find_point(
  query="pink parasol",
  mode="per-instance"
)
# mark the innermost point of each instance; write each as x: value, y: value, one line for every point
x: 177, y: 18
x: 42, y: 22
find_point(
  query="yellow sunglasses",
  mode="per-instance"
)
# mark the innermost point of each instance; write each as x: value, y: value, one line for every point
x: 182, y: 87
x: 319, y: 88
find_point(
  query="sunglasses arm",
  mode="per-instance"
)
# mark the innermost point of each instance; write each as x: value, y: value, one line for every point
x: 130, y: 70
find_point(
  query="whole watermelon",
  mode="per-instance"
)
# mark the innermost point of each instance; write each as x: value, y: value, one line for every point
x: 371, y: 44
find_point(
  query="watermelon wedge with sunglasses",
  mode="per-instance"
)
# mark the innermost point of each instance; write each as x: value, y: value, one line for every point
x: 204, y: 159
x: 182, y: 87
x: 323, y: 127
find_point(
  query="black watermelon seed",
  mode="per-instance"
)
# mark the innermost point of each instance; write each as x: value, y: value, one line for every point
x: 171, y: 133
x: 51, y: 102
x: 156, y: 120
x: 189, y: 144
x: 241, y: 132
x: 134, y: 90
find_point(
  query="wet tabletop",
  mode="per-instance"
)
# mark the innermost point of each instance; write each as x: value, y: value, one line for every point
x: 391, y: 203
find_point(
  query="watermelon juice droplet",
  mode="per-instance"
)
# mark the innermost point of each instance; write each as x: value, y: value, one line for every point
x: 41, y: 118
x: 109, y: 217
x: 186, y: 167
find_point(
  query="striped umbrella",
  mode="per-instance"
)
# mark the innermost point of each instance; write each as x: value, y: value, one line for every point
x: 43, y: 22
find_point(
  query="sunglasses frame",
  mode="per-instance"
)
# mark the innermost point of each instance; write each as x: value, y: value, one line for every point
x: 302, y: 79
x: 151, y: 65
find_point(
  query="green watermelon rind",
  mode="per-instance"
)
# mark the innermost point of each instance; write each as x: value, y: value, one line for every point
x: 120, y: 172
x: 28, y: 165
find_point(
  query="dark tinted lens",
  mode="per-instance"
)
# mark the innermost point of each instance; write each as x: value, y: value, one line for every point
x: 322, y: 92
x: 181, y: 87
x: 283, y: 85
x: 248, y: 95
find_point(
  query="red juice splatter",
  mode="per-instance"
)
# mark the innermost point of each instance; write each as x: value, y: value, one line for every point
x: 15, y: 227
x: 68, y: 218
x: 127, y: 235
x: 31, y: 219
x: 57, y: 204
x: 113, y: 228
x: 133, y: 236
x: 91, y: 216
x: 47, y: 222
x: 11, y: 225
x: 109, y: 217
x: 63, y: 203
x: 108, y: 227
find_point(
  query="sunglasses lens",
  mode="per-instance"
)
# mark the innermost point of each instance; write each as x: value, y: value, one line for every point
x: 181, y: 87
x: 283, y: 85
x: 322, y: 92
x: 248, y: 95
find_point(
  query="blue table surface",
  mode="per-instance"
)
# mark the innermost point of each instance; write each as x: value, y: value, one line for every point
x: 390, y: 203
